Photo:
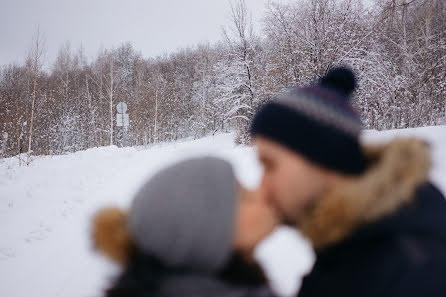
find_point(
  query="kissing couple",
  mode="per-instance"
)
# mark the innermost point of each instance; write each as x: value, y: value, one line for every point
x: 375, y: 221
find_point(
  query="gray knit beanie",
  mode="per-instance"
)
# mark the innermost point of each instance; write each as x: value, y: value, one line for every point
x: 184, y: 215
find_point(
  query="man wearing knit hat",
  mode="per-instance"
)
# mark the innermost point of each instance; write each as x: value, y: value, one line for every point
x: 377, y: 225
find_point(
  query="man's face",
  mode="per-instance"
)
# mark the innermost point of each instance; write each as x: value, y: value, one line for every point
x: 290, y: 182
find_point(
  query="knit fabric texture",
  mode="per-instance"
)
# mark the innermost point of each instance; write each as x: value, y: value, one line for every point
x: 317, y: 122
x: 184, y: 215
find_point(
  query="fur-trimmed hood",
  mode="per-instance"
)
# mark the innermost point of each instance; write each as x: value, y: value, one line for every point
x: 395, y: 171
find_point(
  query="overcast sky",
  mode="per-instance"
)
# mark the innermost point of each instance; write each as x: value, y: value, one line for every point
x: 152, y: 26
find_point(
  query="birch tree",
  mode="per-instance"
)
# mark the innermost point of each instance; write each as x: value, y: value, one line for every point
x: 35, y: 62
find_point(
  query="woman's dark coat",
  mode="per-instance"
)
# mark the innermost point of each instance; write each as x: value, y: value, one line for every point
x: 146, y: 276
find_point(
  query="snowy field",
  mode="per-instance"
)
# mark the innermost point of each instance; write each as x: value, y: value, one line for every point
x: 46, y: 209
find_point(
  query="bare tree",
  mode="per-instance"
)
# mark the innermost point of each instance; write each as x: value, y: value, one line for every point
x: 35, y: 59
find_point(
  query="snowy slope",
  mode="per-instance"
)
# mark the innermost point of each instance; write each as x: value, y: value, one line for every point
x: 45, y: 212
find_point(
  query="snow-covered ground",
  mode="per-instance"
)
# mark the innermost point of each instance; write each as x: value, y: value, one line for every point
x: 46, y: 209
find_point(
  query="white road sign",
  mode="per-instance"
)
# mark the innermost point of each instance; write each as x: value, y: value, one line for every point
x: 121, y: 107
x: 122, y: 120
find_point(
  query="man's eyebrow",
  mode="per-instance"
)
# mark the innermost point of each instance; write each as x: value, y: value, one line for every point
x: 262, y: 157
x: 265, y: 159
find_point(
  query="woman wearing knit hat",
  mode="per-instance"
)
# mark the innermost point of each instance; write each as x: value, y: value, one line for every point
x: 376, y: 223
x: 188, y: 232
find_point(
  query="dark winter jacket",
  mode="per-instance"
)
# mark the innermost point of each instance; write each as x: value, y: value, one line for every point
x: 383, y: 233
x: 146, y: 276
x: 205, y: 286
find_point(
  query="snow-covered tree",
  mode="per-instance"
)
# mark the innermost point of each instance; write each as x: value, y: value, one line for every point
x: 396, y: 47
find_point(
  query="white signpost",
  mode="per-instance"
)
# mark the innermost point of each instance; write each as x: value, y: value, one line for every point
x: 121, y: 107
x: 122, y: 120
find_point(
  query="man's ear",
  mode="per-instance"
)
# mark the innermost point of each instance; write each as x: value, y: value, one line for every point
x: 110, y: 234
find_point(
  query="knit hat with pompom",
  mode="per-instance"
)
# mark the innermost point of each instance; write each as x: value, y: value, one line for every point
x: 318, y: 122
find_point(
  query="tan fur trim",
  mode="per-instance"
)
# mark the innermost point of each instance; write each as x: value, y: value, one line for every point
x: 395, y: 171
x: 110, y: 235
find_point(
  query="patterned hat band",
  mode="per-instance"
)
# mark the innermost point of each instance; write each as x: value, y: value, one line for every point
x: 309, y: 104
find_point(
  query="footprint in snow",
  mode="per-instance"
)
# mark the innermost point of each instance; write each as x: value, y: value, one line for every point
x: 6, y: 253
x: 40, y: 233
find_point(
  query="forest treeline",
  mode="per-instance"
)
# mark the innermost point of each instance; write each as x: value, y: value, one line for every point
x: 397, y: 48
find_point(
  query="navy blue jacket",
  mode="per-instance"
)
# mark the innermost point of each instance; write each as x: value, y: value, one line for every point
x: 401, y: 255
